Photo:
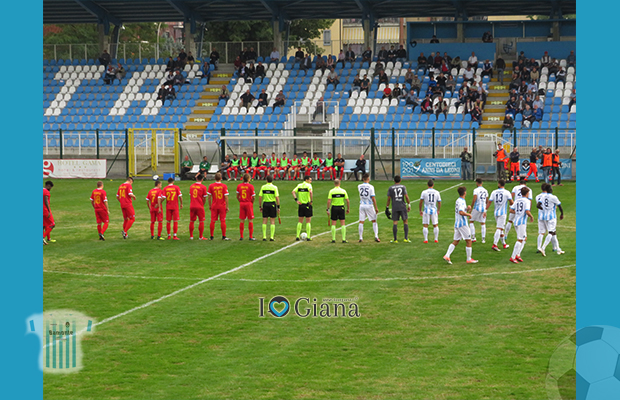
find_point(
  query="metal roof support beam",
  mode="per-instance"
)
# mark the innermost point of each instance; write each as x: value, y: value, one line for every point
x: 188, y: 14
x: 368, y: 25
x: 103, y: 16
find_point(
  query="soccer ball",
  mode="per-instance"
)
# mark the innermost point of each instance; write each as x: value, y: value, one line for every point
x: 596, y: 375
x: 155, y: 177
x: 304, y: 236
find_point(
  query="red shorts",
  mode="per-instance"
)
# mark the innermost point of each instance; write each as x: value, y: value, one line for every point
x: 515, y: 167
x: 533, y: 169
x: 219, y: 212
x: 197, y: 213
x: 128, y: 213
x: 246, y: 210
x: 102, y: 216
x: 157, y: 216
x: 48, y: 221
x: 172, y: 215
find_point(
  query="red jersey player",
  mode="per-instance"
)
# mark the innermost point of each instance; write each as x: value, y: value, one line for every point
x: 197, y: 195
x: 245, y: 195
x: 154, y: 200
x: 99, y: 200
x: 218, y: 204
x: 174, y: 201
x: 48, y: 219
x: 125, y: 196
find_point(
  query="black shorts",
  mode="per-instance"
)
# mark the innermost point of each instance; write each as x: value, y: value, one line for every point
x: 269, y: 210
x: 399, y: 214
x: 337, y: 213
x: 305, y: 210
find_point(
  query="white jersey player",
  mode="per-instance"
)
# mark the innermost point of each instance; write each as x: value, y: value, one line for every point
x: 521, y: 211
x: 430, y: 204
x: 461, y: 227
x: 368, y: 207
x: 516, y: 195
x: 546, y: 202
x: 478, y: 212
x: 500, y: 197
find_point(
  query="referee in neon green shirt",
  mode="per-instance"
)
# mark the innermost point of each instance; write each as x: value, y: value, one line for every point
x: 303, y: 196
x: 269, y: 205
x: 336, y: 199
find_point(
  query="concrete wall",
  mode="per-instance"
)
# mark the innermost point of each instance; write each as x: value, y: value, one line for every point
x: 463, y: 50
x: 558, y: 50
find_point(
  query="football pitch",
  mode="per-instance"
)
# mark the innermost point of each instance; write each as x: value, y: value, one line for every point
x: 181, y: 319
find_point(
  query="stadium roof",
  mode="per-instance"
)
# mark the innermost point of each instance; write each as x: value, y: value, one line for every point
x: 117, y: 12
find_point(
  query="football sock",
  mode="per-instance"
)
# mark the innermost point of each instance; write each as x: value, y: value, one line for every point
x: 450, y: 250
x: 251, y: 228
x: 406, y: 228
x: 344, y: 232
x: 496, y: 236
x: 468, y: 252
x: 360, y: 229
x: 333, y: 232
x: 436, y: 232
x: 298, y: 229
x: 483, y: 231
x: 167, y: 228
x: 160, y: 228
x: 539, y: 241
x: 264, y: 231
x: 99, y: 229
x: 153, y: 228
x: 223, y: 226
x: 521, y: 246
x: 425, y: 233
x: 503, y: 238
x: 129, y: 223
x: 104, y: 227
x: 124, y: 226
x: 201, y: 228
x: 547, y: 241
x: 175, y: 226
x: 191, y: 229
x: 395, y: 231
x: 241, y: 226
x: 308, y: 229
x: 375, y: 229
x: 212, y: 227
x: 556, y: 244
x: 507, y: 229
x: 272, y: 230
x: 472, y: 230
x: 515, y: 249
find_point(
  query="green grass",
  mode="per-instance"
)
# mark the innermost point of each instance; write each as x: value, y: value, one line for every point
x: 467, y: 337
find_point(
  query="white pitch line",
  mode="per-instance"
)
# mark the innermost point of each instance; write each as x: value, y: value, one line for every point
x: 121, y: 276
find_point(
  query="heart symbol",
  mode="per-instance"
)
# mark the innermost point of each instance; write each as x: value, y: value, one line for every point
x: 276, y: 312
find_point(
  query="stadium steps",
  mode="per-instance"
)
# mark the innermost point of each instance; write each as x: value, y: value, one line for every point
x: 495, y: 105
x: 206, y: 105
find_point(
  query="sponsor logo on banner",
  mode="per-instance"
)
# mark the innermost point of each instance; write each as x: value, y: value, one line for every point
x: 95, y: 169
x: 430, y: 168
x: 566, y: 168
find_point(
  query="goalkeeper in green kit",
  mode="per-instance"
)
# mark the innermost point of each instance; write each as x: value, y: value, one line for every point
x: 336, y: 199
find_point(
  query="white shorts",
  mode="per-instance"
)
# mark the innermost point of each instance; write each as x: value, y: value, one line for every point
x: 432, y: 219
x: 521, y: 231
x: 477, y: 216
x: 367, y: 212
x: 546, y: 226
x: 500, y: 221
x: 462, y: 233
x: 511, y: 217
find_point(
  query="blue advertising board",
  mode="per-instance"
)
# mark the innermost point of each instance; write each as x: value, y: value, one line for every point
x: 430, y: 168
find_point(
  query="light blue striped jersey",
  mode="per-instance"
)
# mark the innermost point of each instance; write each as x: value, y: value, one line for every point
x: 481, y: 195
x: 460, y: 220
x: 500, y: 198
x: 517, y: 192
x: 367, y: 192
x: 549, y: 203
x: 430, y: 197
x: 521, y: 206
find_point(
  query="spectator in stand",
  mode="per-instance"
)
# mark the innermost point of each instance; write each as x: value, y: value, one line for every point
x: 383, y: 54
x: 391, y: 55
x: 378, y: 69
x: 214, y: 58
x: 357, y: 84
x: 437, y: 60
x: 349, y: 55
x: 332, y: 77
x: 509, y: 123
x: 170, y: 64
x: 516, y: 81
x: 367, y: 56
x: 280, y: 100
x: 383, y: 78
x: 341, y: 58
x: 299, y: 56
x: 330, y: 61
x: 571, y: 59
x: 573, y: 98
x: 482, y: 93
x: 396, y: 93
x: 521, y: 104
x: 120, y: 72
x: 306, y: 64
x: 487, y: 37
x: 448, y: 59
x: 105, y: 59
x: 534, y: 74
x: 560, y: 76
x: 435, y: 92
x: 110, y: 75
x: 251, y: 71
x: 455, y: 62
x: 182, y: 58
x: 238, y: 64
x: 409, y: 76
x: 318, y: 109
x: 525, y: 74
x: 422, y: 62
x: 243, y: 71
x: 434, y: 39
x: 206, y: 71
x: 260, y: 70
x: 430, y: 61
x: 387, y: 93
x: 427, y: 105
x: 523, y: 88
x: 411, y: 99
x: 511, y: 106
x: 538, y: 102
x: 320, y: 64
x: 538, y: 113
x: 190, y: 58
x: 545, y: 60
x: 487, y: 69
x: 473, y: 60
x: 178, y: 79
x: 441, y: 106
x: 247, y: 98
x: 531, y: 63
x: 461, y: 99
x: 553, y: 66
x: 171, y: 93
x: 441, y: 82
x: 161, y: 94
x: 244, y: 54
x: 224, y: 93
x: 415, y: 83
x: 401, y: 54
x: 365, y: 84
x: 528, y: 116
x: 274, y: 56
x: 532, y: 88
x: 468, y: 75
x: 263, y: 99
x: 450, y: 83
x: 476, y: 115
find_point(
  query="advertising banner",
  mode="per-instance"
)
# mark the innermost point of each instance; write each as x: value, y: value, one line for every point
x: 60, y: 169
x: 430, y: 168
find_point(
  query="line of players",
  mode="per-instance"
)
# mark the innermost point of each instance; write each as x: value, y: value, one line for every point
x: 283, y: 167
